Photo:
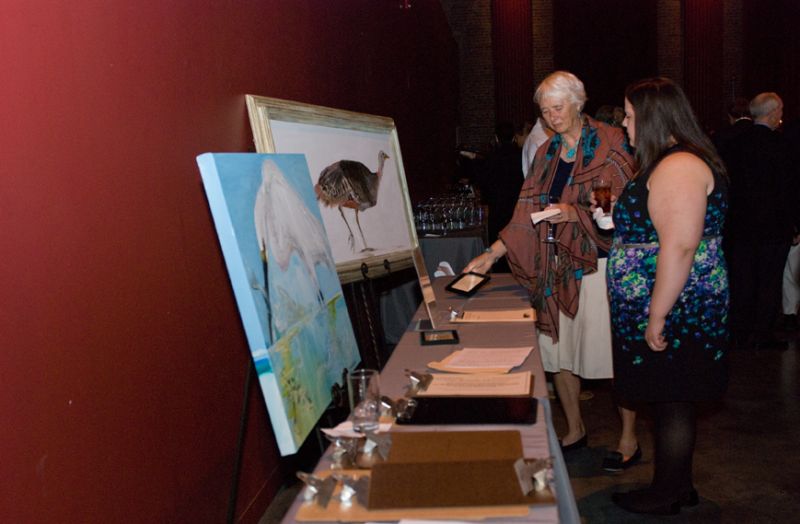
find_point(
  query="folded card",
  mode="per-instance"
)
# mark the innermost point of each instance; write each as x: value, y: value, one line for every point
x: 541, y: 215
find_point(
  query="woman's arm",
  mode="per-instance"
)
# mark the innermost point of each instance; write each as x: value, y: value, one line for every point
x: 484, y: 262
x: 679, y: 188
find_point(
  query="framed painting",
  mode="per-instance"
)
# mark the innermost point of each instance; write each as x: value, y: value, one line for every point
x: 285, y: 283
x: 358, y: 177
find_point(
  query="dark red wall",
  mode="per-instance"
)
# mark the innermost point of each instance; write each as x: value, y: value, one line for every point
x: 123, y: 356
x: 512, y: 51
x: 772, y: 51
x: 606, y: 44
x: 703, y: 28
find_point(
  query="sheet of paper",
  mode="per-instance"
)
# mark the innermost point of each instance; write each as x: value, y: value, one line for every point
x: 523, y: 314
x: 479, y: 385
x: 541, y: 215
x: 345, y: 429
x: 441, y: 366
x: 488, y: 357
x: 482, y: 360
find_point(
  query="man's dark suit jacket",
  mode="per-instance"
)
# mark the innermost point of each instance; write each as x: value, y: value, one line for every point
x: 724, y: 136
x: 764, y: 195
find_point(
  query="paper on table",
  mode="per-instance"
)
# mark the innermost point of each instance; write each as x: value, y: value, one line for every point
x: 417, y: 521
x: 345, y: 429
x: 522, y: 314
x: 541, y: 215
x: 479, y: 385
x: 483, y: 360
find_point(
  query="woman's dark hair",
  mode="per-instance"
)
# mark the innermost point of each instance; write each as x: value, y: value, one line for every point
x: 663, y: 113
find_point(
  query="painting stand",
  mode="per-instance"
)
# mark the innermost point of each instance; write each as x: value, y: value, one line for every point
x: 363, y: 303
x: 239, y: 449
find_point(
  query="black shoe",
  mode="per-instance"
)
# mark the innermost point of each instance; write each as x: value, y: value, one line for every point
x: 770, y: 342
x: 742, y: 340
x: 578, y: 444
x: 654, y: 502
x: 615, y: 461
x: 788, y: 323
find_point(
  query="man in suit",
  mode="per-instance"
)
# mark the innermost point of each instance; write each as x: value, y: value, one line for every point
x: 760, y: 223
x: 740, y: 121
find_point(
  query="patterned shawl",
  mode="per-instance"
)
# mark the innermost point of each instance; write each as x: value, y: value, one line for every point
x: 552, y: 273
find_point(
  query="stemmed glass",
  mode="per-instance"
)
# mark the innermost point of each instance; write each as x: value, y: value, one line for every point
x: 551, y: 228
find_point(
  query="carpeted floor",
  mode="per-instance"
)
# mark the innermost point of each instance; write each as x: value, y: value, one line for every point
x: 747, y: 459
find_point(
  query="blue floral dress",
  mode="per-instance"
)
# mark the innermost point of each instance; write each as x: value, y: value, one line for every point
x: 694, y: 365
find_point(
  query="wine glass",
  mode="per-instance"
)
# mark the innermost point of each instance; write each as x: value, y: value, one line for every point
x: 602, y: 193
x: 551, y: 228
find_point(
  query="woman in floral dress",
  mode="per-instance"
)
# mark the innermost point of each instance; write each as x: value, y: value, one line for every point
x: 668, y: 284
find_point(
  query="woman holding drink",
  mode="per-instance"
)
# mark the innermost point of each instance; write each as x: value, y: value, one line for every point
x: 566, y: 276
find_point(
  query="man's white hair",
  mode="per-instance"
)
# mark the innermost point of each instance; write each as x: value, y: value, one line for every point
x: 764, y: 103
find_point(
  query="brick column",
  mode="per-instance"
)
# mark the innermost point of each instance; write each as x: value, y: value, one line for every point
x: 471, y: 23
x: 670, y: 39
x: 732, y: 61
x: 542, y: 21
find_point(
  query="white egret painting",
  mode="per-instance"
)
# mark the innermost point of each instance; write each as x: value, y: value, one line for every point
x: 285, y: 282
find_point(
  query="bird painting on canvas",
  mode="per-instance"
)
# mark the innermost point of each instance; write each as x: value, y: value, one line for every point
x: 285, y: 226
x: 348, y: 183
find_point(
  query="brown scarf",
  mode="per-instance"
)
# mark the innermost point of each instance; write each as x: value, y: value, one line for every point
x: 552, y: 273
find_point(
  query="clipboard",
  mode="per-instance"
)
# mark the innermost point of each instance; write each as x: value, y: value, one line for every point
x: 472, y: 410
x: 438, y: 337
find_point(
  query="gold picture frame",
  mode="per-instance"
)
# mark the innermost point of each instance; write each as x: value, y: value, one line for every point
x: 377, y: 240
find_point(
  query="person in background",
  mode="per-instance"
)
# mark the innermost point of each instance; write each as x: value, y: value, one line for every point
x: 605, y: 113
x: 566, y: 277
x: 668, y: 284
x: 538, y: 136
x: 762, y: 220
x: 499, y: 181
x: 790, y: 291
x: 790, y: 302
x: 619, y: 116
x: 522, y: 134
x: 739, y: 121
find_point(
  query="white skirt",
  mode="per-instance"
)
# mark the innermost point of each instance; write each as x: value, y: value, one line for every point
x: 584, y: 345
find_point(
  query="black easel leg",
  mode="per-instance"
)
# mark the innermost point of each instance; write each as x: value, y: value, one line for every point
x: 237, y: 467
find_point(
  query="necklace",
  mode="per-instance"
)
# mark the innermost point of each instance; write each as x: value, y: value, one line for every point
x: 572, y: 150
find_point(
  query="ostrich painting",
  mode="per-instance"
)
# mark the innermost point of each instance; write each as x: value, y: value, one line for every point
x: 348, y: 183
x: 285, y: 226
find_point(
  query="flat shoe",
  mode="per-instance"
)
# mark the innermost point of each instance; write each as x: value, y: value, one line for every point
x: 615, y: 461
x: 578, y: 444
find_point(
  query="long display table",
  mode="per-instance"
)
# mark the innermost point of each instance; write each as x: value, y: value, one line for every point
x: 538, y: 440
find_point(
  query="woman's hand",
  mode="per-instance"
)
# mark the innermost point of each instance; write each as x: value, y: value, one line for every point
x: 593, y: 202
x: 481, y: 264
x: 568, y: 213
x: 654, y: 334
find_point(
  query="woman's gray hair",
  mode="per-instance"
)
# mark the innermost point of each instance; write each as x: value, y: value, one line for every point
x: 763, y: 103
x: 563, y: 85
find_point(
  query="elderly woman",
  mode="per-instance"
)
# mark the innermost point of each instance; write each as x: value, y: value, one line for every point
x: 566, y: 276
x: 668, y: 284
